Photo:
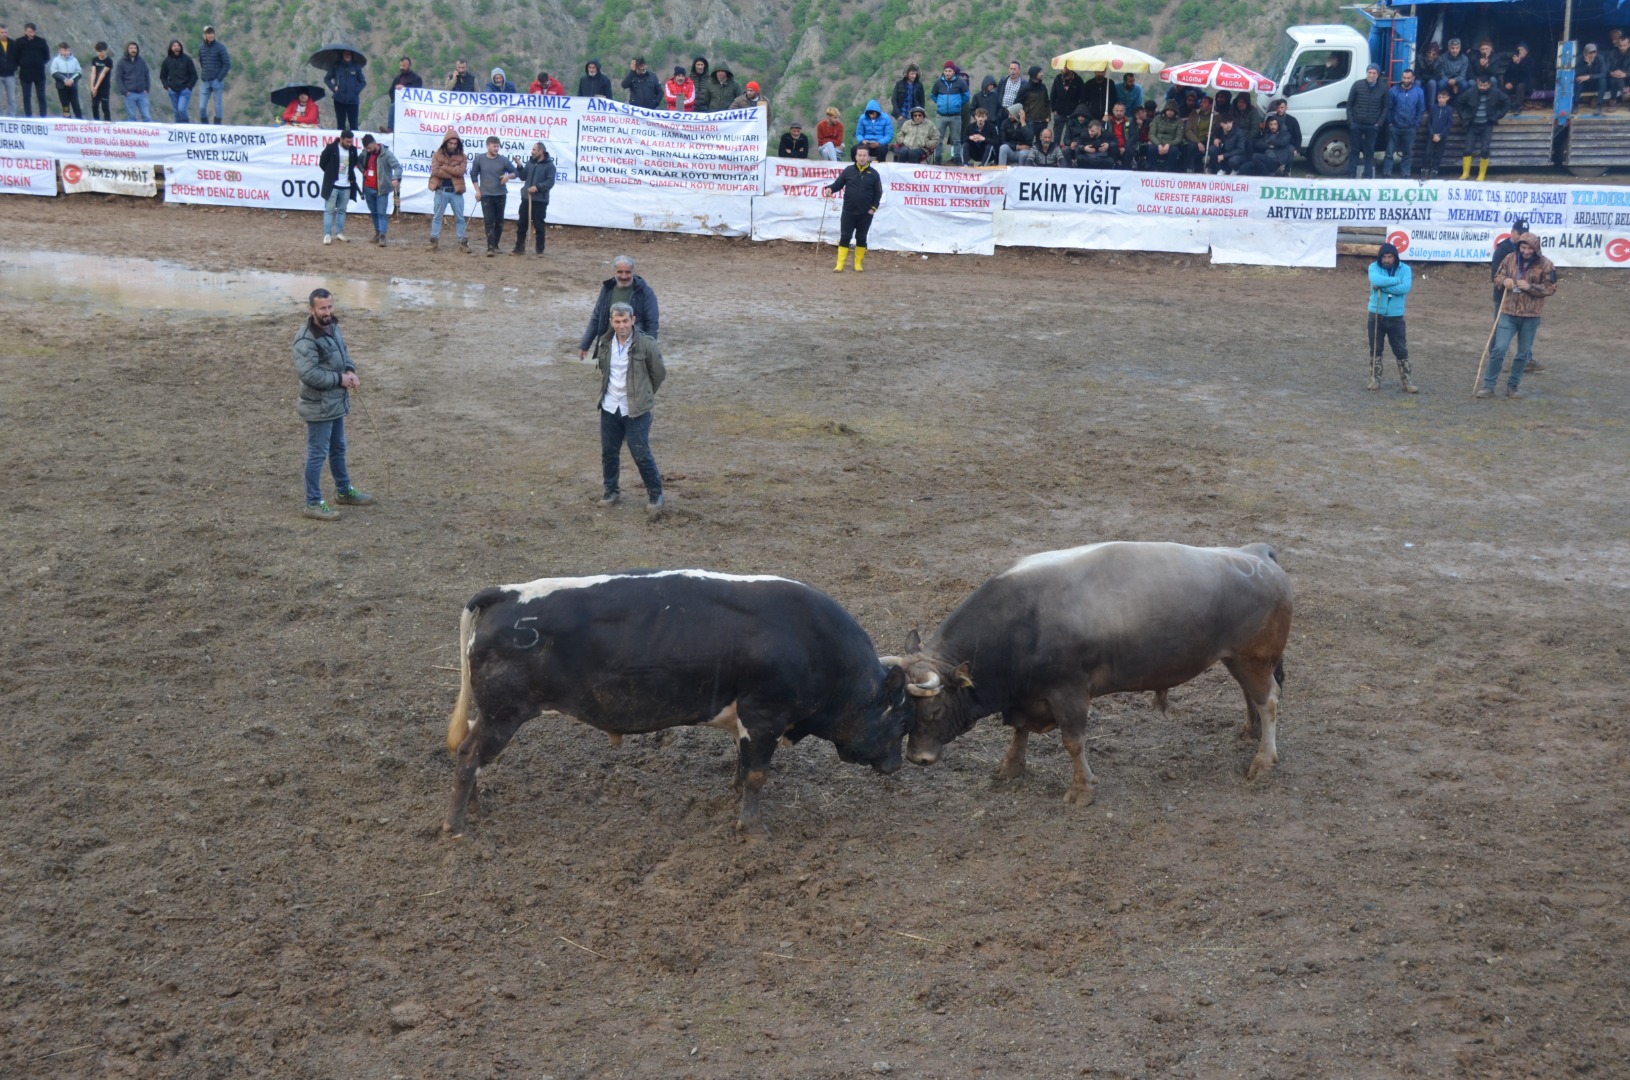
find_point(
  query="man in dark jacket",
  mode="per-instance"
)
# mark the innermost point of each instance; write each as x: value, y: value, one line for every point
x: 1229, y: 149
x: 983, y: 139
x: 1366, y: 109
x: 1097, y: 94
x: 1067, y: 94
x: 1440, y: 122
x: 214, y: 64
x: 8, y: 72
x: 1037, y: 102
x: 31, y: 54
x: 327, y: 374
x: 794, y: 143
x: 537, y: 181
x: 862, y: 192
x: 1518, y: 78
x: 725, y: 89
x: 594, y: 83
x: 1479, y: 108
x: 1519, y: 228
x: 623, y: 287
x: 463, y: 79
x: 989, y: 98
x: 135, y: 81
x: 178, y: 75
x: 339, y: 184
x: 406, y: 79
x: 346, y: 82
x: 643, y: 86
x: 1590, y: 77
x: 701, y: 77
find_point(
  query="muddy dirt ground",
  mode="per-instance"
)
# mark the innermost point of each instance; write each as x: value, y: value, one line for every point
x: 224, y: 773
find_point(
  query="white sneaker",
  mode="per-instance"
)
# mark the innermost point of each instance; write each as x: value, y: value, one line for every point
x: 327, y: 239
x: 341, y: 238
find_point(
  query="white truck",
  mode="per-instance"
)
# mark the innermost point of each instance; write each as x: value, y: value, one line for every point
x: 1315, y: 67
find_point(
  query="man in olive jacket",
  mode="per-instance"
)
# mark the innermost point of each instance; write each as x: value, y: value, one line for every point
x: 631, y: 373
x: 327, y: 375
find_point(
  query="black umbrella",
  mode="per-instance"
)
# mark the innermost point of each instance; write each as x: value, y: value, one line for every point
x: 329, y: 55
x: 290, y: 91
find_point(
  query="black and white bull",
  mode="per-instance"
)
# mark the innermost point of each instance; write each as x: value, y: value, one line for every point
x: 763, y: 658
x: 1038, y: 642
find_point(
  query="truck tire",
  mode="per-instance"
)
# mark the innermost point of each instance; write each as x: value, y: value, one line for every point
x: 1330, y: 151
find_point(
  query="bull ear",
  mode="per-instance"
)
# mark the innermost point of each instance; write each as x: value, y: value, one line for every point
x: 959, y: 677
x: 914, y: 643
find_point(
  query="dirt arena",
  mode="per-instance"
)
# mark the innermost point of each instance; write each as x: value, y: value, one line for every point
x: 224, y: 768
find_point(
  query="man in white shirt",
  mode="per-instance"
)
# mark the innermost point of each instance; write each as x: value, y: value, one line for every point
x: 631, y: 373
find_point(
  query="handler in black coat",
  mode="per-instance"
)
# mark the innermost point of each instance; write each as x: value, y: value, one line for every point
x: 862, y: 190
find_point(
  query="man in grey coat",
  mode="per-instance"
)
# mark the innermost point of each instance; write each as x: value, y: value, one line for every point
x: 631, y: 373
x: 327, y: 375
x: 491, y: 173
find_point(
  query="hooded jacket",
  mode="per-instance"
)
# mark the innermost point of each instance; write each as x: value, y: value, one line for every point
x: 177, y: 72
x: 445, y: 166
x: 1388, y: 288
x: 644, y: 91
x: 1406, y: 108
x: 1279, y: 146
x: 493, y: 86
x: 989, y: 98
x: 703, y: 82
x: 1538, y: 277
x: 597, y: 84
x: 915, y: 135
x: 721, y: 92
x: 1166, y: 130
x: 132, y: 75
x: 346, y: 82
x: 880, y: 130
x: 214, y: 62
x: 1076, y: 133
x: 1233, y: 150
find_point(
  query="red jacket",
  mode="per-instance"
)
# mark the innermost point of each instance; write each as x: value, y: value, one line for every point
x: 829, y: 131
x: 681, y: 94
x: 554, y: 87
x: 294, y: 115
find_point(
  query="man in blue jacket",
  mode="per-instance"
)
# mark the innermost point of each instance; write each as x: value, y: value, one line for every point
x: 875, y: 131
x: 346, y: 82
x: 1406, y: 107
x: 951, y: 96
x: 1390, y: 281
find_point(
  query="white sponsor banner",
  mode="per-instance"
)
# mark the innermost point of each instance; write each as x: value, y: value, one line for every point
x: 271, y: 187
x: 895, y: 228
x: 423, y: 118
x: 108, y: 178
x: 27, y: 175
x: 803, y: 179
x: 720, y: 153
x: 1099, y: 232
x: 1271, y: 243
x: 1564, y: 247
x: 84, y: 139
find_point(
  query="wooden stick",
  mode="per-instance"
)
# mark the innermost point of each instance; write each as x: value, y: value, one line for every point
x: 70, y: 1050
x: 915, y: 937
x: 585, y: 948
x: 1482, y: 365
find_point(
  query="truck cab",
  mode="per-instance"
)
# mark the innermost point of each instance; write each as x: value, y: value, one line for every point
x: 1315, y: 67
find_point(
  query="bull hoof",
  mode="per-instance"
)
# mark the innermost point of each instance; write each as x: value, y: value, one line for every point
x: 452, y: 830
x: 752, y: 830
x: 1261, y: 766
x: 1009, y: 771
x: 1080, y: 795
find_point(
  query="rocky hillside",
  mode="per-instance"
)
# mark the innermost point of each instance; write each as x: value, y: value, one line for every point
x: 806, y: 53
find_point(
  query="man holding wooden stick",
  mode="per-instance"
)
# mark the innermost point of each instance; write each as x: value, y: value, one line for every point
x: 1527, y: 277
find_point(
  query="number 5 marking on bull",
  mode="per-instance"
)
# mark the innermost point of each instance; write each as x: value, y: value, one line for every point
x: 520, y: 632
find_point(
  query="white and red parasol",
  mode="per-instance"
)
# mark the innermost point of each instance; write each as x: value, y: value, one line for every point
x: 1217, y: 75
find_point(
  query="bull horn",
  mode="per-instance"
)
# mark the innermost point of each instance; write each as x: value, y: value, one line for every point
x: 927, y: 688
x: 890, y: 661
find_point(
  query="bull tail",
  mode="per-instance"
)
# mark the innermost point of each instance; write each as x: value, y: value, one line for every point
x: 459, y: 726
x: 1279, y: 672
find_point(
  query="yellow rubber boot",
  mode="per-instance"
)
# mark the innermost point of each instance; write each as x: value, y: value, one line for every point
x: 1466, y: 168
x: 1482, y: 168
x: 843, y: 260
x: 860, y: 259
